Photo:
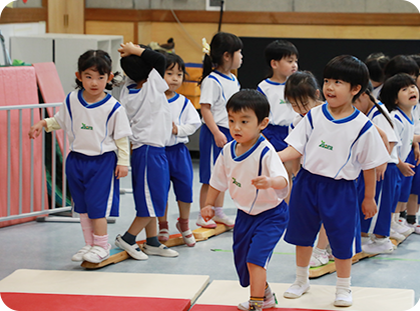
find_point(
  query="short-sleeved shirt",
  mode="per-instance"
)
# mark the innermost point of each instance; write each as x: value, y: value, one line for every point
x: 404, y: 127
x: 236, y: 173
x: 281, y: 112
x: 216, y: 89
x: 92, y: 128
x: 338, y: 149
x: 148, y: 111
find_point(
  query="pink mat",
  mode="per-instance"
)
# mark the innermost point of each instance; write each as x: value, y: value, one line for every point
x: 18, y: 87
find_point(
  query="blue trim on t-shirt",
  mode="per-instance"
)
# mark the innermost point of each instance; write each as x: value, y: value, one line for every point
x: 343, y: 120
x: 71, y: 117
x: 405, y: 116
x: 94, y: 105
x: 398, y: 118
x: 221, y: 86
x: 132, y: 89
x: 173, y: 98
x: 309, y: 115
x: 263, y: 153
x: 231, y: 78
x: 273, y: 82
x: 246, y: 154
x: 261, y: 91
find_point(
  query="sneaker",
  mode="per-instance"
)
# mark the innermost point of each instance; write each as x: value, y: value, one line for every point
x: 223, y: 219
x: 205, y: 224
x: 97, y: 254
x: 161, y: 250
x: 401, y: 229
x: 415, y: 226
x: 343, y: 298
x: 319, y: 257
x: 378, y: 246
x: 255, y: 306
x: 403, y: 221
x: 296, y: 290
x: 163, y: 235
x: 329, y: 252
x: 267, y: 304
x: 365, y: 240
x: 79, y: 255
x: 187, y: 236
x: 133, y: 250
x: 396, y: 236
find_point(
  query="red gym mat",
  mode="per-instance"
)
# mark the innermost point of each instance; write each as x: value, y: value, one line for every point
x: 58, y: 302
x: 18, y: 87
x: 233, y: 308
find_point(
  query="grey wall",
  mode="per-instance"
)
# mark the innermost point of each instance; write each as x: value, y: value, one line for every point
x: 345, y: 6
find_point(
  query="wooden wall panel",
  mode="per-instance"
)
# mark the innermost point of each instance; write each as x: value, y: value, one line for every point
x: 125, y: 29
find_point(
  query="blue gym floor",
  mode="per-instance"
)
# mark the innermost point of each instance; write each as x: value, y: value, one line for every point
x: 50, y: 245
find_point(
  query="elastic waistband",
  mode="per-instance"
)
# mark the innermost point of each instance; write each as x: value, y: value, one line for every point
x: 175, y: 147
x: 89, y: 157
x: 150, y: 148
x: 324, y: 179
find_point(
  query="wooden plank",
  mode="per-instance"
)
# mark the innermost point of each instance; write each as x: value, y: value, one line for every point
x: 23, y: 15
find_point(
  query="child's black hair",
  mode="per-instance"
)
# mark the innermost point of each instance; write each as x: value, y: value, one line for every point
x: 300, y: 86
x: 416, y: 58
x: 100, y: 61
x: 368, y: 92
x: 401, y: 64
x: 277, y: 50
x: 348, y: 69
x: 249, y: 99
x: 135, y: 67
x: 172, y: 60
x: 391, y: 88
x: 376, y: 63
x: 221, y: 43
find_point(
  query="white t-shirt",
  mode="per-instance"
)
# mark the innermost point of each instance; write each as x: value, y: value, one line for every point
x: 216, y: 89
x: 404, y: 127
x: 338, y: 149
x: 148, y: 111
x: 376, y: 91
x: 295, y: 122
x: 185, y: 117
x: 416, y: 117
x: 236, y: 173
x: 92, y: 128
x: 281, y: 113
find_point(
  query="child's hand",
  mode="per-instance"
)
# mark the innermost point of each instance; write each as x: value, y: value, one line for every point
x: 207, y: 212
x: 130, y: 48
x: 36, y: 129
x: 380, y: 172
x: 121, y: 171
x: 406, y: 169
x: 369, y: 208
x: 220, y: 139
x: 262, y: 182
x: 174, y: 129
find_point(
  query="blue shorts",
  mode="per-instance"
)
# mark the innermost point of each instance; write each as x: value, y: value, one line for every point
x: 415, y: 184
x: 209, y: 152
x: 406, y: 182
x: 93, y: 185
x: 276, y: 134
x: 180, y: 171
x: 386, y: 200
x: 255, y: 237
x: 150, y: 178
x: 315, y: 199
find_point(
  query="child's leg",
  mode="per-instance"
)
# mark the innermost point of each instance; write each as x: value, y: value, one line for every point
x: 319, y: 255
x: 152, y: 245
x: 412, y: 209
x: 87, y: 230
x: 301, y: 284
x: 183, y: 223
x: 258, y: 279
x: 163, y: 235
x: 343, y: 297
x: 100, y: 250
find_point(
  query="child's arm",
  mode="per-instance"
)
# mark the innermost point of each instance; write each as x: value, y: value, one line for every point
x: 405, y: 168
x: 369, y: 208
x: 416, y: 150
x: 380, y: 171
x: 416, y: 139
x: 208, y: 212
x: 384, y: 138
x: 219, y: 138
x: 264, y: 182
x: 288, y: 154
x: 50, y: 124
x: 123, y: 157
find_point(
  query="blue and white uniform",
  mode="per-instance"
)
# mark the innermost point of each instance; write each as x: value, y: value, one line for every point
x: 281, y: 113
x: 415, y: 186
x: 404, y: 127
x: 262, y: 214
x: 150, y: 118
x: 187, y: 120
x: 216, y: 89
x: 334, y: 152
x: 92, y: 130
x: 385, y: 196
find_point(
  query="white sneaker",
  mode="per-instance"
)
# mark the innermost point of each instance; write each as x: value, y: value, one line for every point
x: 296, y: 290
x: 343, y: 298
x: 365, y: 240
x: 221, y: 218
x: 161, y: 250
x: 401, y: 229
x: 97, y: 254
x: 396, y: 236
x: 133, y: 250
x: 319, y: 257
x: 205, y: 224
x: 378, y: 246
x: 403, y: 222
x: 79, y: 255
x: 415, y: 226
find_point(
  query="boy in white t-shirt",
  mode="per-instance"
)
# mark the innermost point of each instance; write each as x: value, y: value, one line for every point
x: 257, y: 181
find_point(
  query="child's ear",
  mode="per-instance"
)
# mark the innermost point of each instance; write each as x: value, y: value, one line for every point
x: 264, y: 123
x: 78, y: 76
x: 355, y: 89
x: 226, y: 56
x: 110, y: 77
x: 273, y: 63
x: 318, y: 94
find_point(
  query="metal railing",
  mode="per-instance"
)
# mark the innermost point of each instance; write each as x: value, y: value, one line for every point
x: 20, y: 118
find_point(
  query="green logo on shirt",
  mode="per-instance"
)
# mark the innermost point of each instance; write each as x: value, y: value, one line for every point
x: 235, y: 182
x: 282, y: 101
x: 86, y: 127
x: 325, y: 146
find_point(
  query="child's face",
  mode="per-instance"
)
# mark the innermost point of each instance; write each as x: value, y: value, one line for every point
x: 174, y: 77
x: 408, y: 96
x: 285, y: 66
x: 236, y: 59
x: 93, y: 82
x: 244, y: 126
x: 338, y: 92
x: 302, y: 107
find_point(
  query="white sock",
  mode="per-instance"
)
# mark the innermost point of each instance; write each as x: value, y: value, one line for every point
x: 343, y: 283
x: 302, y: 275
x: 218, y: 211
